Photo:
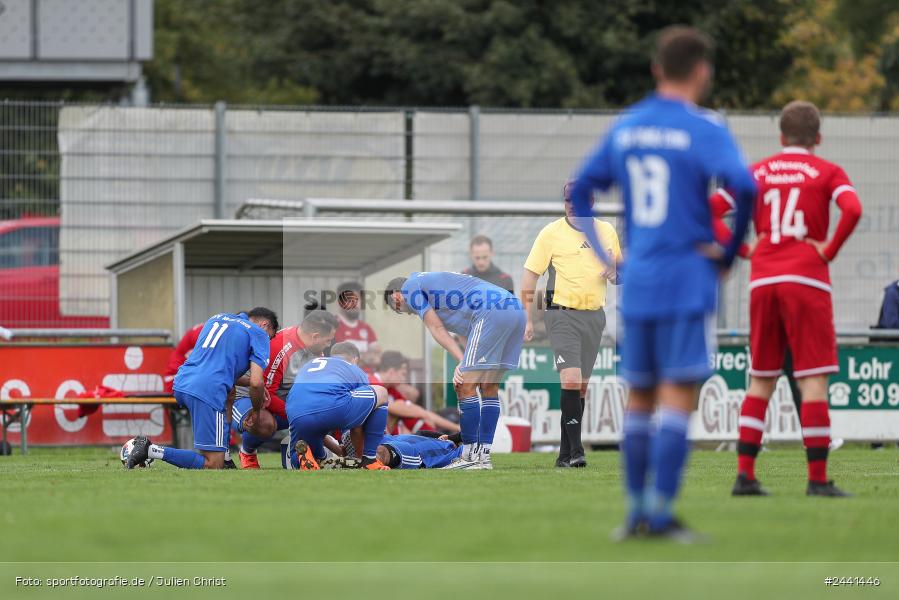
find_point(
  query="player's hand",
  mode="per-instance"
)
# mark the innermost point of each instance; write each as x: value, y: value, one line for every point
x: 249, y: 421
x: 713, y: 252
x: 444, y: 437
x: 457, y: 375
x: 529, y: 331
x: 610, y: 274
x: 819, y: 248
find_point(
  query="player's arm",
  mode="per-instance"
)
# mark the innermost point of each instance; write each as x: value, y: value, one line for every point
x: 721, y: 203
x: 595, y: 174
x: 409, y: 391
x: 333, y: 445
x: 259, y: 353
x: 535, y: 265
x: 850, y: 213
x: 611, y: 273
x: 407, y: 410
x: 274, y: 373
x: 441, y: 335
x: 257, y: 387
x: 725, y: 163
x: 528, y: 289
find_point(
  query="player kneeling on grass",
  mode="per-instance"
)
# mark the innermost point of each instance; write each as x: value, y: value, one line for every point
x: 228, y: 345
x: 332, y: 393
x: 490, y: 323
x: 259, y: 425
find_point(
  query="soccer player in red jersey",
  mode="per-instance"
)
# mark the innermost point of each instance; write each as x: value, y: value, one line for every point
x: 351, y: 327
x: 290, y: 349
x: 790, y: 291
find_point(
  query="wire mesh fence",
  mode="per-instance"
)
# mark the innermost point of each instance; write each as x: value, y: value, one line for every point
x: 82, y: 185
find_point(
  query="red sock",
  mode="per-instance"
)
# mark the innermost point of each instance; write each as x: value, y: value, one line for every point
x: 815, y: 420
x: 752, y: 425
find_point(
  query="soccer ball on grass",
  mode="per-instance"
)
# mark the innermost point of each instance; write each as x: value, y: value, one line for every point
x: 126, y: 452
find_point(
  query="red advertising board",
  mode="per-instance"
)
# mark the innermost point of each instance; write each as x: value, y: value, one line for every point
x: 65, y: 372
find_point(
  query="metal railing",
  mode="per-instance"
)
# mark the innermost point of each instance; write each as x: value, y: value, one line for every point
x: 83, y: 333
x: 310, y: 207
x: 121, y: 178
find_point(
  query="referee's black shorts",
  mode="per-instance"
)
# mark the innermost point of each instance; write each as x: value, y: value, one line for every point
x: 575, y: 336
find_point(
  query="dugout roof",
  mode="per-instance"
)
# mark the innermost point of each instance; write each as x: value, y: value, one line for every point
x: 149, y: 285
x: 295, y: 244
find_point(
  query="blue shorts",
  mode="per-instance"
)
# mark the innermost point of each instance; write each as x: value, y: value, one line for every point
x: 494, y: 340
x: 239, y: 412
x: 210, y: 427
x: 675, y: 349
x: 331, y: 412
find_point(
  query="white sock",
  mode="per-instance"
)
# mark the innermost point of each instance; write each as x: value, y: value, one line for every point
x: 470, y: 452
x: 227, y: 454
x: 156, y: 451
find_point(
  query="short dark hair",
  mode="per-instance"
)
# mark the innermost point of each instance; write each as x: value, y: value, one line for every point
x: 346, y: 350
x: 800, y: 123
x: 479, y: 240
x: 391, y: 359
x: 679, y: 49
x: 319, y: 321
x: 394, y: 285
x: 348, y: 286
x: 260, y: 312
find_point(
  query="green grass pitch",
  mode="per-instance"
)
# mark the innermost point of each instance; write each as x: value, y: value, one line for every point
x: 522, y: 530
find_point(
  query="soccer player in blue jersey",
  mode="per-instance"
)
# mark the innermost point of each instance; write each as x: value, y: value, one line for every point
x: 333, y: 393
x: 663, y: 153
x: 227, y: 346
x: 419, y: 451
x: 490, y: 323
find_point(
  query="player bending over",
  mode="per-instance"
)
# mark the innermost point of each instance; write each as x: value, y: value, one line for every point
x: 662, y: 154
x: 333, y: 394
x: 227, y: 346
x: 491, y: 322
x: 419, y: 451
x: 290, y: 349
x: 790, y: 304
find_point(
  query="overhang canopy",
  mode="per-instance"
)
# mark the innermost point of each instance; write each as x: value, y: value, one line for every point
x: 301, y: 244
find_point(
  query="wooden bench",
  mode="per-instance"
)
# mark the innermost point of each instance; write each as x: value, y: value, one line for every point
x: 24, y: 406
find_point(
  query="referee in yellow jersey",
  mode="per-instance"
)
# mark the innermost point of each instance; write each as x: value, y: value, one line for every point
x: 575, y: 296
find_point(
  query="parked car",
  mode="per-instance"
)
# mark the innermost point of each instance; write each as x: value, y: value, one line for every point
x: 29, y: 276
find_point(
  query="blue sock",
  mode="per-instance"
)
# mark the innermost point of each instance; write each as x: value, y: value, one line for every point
x: 635, y: 461
x: 249, y: 442
x: 374, y: 427
x: 470, y: 419
x: 669, y: 455
x: 185, y: 459
x: 490, y: 411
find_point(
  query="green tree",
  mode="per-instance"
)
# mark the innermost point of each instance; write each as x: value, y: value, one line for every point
x: 529, y: 53
x: 847, y: 55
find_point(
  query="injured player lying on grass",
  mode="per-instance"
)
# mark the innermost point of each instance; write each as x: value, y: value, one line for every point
x: 430, y: 450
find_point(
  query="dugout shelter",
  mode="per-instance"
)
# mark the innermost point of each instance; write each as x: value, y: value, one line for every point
x: 285, y: 264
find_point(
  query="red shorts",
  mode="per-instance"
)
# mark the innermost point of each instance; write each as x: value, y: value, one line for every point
x: 791, y: 315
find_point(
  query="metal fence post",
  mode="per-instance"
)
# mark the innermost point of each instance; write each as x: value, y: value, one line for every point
x: 221, y: 155
x: 409, y: 155
x: 474, y: 152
